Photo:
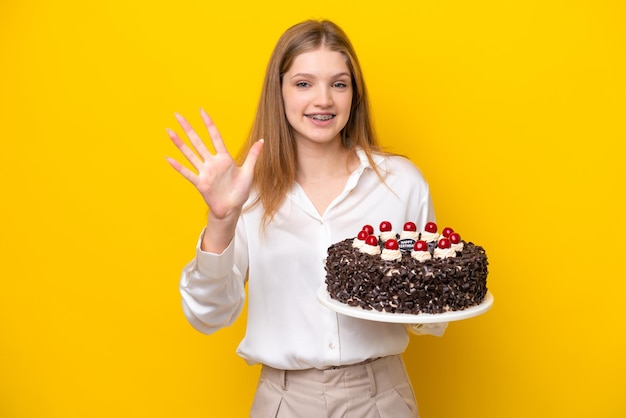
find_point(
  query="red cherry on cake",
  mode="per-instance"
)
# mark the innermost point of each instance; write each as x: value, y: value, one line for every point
x: 444, y: 243
x: 391, y: 244
x: 385, y: 226
x: 454, y: 238
x: 371, y: 240
x: 362, y: 235
x: 431, y: 227
x: 410, y: 226
x: 447, y: 231
x: 369, y: 229
x: 420, y: 246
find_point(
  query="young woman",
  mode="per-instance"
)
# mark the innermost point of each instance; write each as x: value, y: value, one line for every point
x: 311, y: 174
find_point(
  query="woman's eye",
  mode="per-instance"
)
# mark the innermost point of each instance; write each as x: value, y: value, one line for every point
x: 340, y: 85
x: 302, y: 84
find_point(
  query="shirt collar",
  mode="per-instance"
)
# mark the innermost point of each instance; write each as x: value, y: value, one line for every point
x: 299, y: 197
x: 364, y: 162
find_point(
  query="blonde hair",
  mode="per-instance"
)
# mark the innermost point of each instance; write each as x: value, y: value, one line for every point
x: 275, y: 170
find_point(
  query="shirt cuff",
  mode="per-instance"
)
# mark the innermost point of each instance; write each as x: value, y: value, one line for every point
x: 215, y: 265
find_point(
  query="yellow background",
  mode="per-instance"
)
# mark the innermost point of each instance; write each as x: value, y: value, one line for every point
x: 513, y: 110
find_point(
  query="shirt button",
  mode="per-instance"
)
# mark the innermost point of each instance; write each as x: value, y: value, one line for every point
x: 331, y: 346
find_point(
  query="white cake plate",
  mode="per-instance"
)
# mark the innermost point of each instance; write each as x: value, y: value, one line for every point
x: 401, y: 318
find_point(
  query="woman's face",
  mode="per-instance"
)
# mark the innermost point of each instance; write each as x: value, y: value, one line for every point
x: 317, y: 92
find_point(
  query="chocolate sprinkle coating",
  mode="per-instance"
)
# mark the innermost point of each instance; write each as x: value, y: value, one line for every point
x: 406, y: 286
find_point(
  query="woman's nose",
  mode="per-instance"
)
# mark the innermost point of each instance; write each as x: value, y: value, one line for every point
x: 324, y: 97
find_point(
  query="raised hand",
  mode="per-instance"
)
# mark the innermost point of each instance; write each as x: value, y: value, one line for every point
x: 224, y: 186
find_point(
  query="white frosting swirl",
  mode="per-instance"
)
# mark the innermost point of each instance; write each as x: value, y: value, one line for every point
x: 429, y: 236
x: 457, y: 247
x: 358, y: 243
x: 384, y: 236
x: 370, y: 249
x: 421, y: 255
x: 444, y: 253
x: 390, y: 255
x: 409, y: 235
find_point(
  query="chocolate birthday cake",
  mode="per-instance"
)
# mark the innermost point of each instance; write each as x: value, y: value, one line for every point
x: 411, y: 272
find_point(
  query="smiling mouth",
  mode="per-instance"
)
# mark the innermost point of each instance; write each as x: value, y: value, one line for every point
x: 321, y: 117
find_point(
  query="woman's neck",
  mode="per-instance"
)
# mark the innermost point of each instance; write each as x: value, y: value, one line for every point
x: 322, y: 173
x: 318, y: 163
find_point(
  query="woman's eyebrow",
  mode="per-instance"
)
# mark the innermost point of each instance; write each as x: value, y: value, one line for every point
x: 309, y: 75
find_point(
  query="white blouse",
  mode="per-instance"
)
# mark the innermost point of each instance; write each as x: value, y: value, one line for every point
x: 283, y: 265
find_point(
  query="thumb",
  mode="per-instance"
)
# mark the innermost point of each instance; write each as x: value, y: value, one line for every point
x: 253, y: 155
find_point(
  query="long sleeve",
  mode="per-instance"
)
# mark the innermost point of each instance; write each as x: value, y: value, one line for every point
x: 212, y: 289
